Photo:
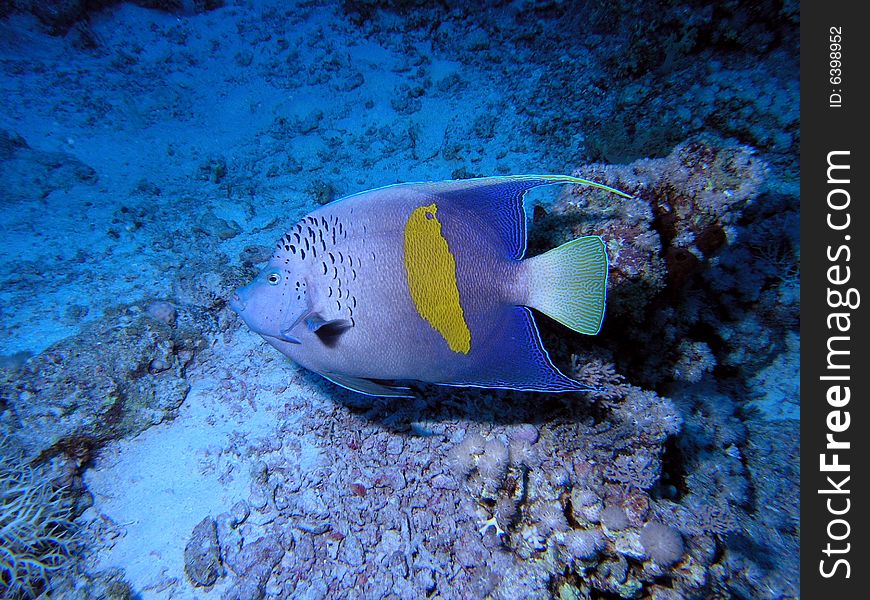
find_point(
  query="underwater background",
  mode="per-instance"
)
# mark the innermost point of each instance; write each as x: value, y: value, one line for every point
x: 151, y: 154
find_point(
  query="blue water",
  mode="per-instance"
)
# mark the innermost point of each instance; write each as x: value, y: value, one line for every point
x: 152, y: 153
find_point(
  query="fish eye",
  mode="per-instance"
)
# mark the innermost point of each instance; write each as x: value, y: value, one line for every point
x: 273, y: 278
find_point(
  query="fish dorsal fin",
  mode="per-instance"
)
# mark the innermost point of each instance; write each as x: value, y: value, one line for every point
x: 498, y: 202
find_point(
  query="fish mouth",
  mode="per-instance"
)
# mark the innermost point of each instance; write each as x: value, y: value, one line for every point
x: 237, y: 304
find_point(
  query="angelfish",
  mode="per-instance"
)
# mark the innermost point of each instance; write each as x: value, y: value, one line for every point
x: 426, y: 282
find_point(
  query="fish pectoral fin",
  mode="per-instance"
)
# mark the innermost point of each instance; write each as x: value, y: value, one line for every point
x: 327, y: 331
x: 317, y: 323
x: 367, y: 386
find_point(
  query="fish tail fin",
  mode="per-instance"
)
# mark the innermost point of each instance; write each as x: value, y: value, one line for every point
x: 569, y: 283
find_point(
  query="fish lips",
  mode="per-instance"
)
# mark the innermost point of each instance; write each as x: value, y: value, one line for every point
x: 237, y: 304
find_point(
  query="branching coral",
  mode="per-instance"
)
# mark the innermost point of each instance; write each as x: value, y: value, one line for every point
x: 35, y: 527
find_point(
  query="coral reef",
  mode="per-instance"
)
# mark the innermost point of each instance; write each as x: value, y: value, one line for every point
x: 702, y: 260
x: 514, y: 503
x: 605, y: 496
x: 685, y: 209
x: 36, y: 530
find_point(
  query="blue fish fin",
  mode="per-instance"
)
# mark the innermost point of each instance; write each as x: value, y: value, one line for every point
x: 498, y: 202
x: 569, y: 283
x: 314, y: 322
x: 514, y: 358
x: 367, y: 386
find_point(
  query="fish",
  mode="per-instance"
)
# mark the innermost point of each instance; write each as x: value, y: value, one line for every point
x: 427, y: 282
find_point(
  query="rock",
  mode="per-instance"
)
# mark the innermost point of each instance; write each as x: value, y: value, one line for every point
x: 255, y: 255
x: 29, y: 174
x: 202, y: 554
x: 213, y: 169
x: 254, y: 562
x: 240, y: 512
x: 243, y: 590
x: 322, y: 192
x: 108, y: 584
x: 214, y: 226
x: 101, y: 384
x: 311, y: 122
x: 352, y: 551
x: 162, y: 311
x: 244, y: 57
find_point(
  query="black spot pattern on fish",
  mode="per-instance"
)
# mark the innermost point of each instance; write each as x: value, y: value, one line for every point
x: 312, y: 235
x: 306, y: 237
x: 284, y: 247
x: 342, y: 274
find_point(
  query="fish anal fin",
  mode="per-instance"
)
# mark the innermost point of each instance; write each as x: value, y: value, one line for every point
x: 514, y: 358
x: 367, y: 386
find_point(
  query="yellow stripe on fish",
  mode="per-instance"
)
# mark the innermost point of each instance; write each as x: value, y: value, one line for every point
x: 431, y: 271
